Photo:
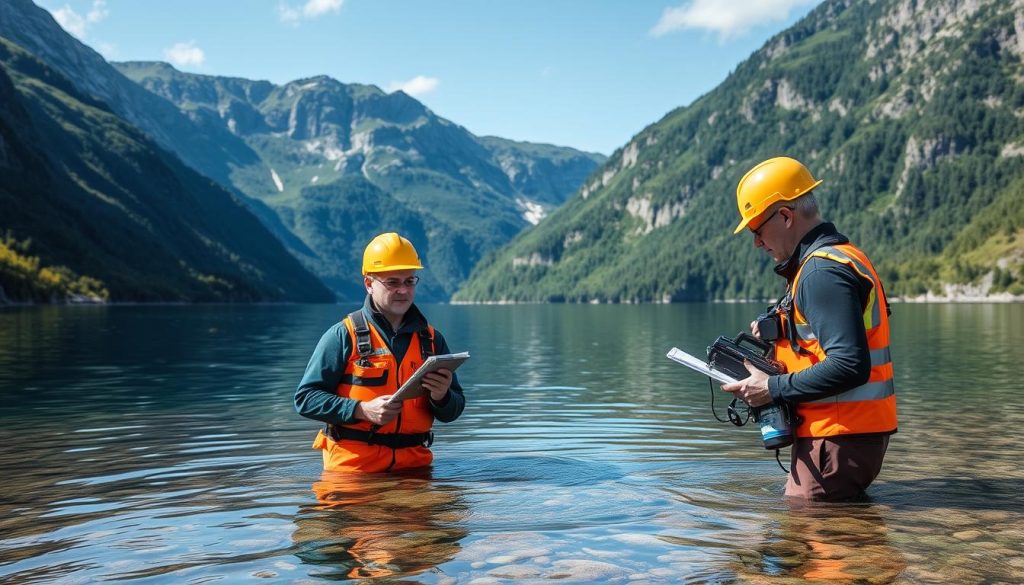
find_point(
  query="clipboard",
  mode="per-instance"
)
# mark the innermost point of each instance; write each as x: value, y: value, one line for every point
x: 413, y: 387
x: 698, y: 365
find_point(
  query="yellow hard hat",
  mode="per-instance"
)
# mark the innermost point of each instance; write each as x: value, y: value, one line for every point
x: 390, y: 251
x: 776, y: 179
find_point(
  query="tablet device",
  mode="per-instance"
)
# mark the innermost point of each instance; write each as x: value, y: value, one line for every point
x: 413, y: 387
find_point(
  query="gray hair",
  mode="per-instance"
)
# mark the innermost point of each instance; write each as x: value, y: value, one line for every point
x: 805, y: 205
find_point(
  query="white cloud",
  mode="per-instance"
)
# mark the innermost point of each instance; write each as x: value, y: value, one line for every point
x: 728, y: 19
x: 315, y: 8
x: 185, y: 54
x: 70, y: 21
x: 98, y: 11
x: 75, y: 23
x: 288, y: 14
x: 416, y: 86
x: 311, y: 9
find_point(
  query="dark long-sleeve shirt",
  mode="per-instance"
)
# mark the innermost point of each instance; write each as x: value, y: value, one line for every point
x: 315, y: 397
x: 832, y: 297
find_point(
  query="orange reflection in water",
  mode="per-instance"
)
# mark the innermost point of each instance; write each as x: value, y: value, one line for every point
x: 837, y: 543
x: 369, y: 525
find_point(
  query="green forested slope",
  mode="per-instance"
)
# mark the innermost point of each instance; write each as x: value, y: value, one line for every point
x: 912, y: 113
x: 91, y: 207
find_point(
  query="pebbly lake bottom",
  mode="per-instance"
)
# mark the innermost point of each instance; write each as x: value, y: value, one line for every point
x: 158, y: 444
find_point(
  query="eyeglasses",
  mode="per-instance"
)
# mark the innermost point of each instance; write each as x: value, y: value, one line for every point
x: 396, y: 283
x: 757, y: 232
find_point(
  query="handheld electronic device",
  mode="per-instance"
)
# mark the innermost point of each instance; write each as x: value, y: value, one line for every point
x: 727, y: 355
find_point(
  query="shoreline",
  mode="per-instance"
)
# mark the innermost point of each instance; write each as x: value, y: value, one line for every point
x: 998, y: 299
x: 927, y: 298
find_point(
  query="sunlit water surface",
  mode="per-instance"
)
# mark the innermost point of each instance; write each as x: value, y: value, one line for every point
x: 159, y: 444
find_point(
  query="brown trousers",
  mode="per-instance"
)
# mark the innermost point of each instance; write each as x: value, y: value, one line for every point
x: 834, y: 469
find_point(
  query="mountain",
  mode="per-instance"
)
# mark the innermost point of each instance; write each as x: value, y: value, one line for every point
x: 911, y: 112
x: 466, y: 195
x: 93, y: 208
x: 277, y: 148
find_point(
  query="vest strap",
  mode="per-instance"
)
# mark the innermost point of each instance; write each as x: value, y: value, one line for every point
x: 389, y: 440
x: 789, y: 326
x: 426, y: 343
x: 362, y: 328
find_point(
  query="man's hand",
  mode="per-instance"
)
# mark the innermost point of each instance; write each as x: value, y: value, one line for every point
x: 755, y: 330
x: 376, y: 411
x: 752, y: 390
x: 437, y: 383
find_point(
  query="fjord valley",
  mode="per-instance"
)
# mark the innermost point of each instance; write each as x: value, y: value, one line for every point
x: 911, y: 113
x: 193, y: 416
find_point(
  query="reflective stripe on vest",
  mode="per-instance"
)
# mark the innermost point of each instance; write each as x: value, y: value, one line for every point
x: 871, y: 390
x: 869, y: 408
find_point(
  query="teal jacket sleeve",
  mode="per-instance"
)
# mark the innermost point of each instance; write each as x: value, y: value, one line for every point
x: 453, y: 403
x: 315, y: 397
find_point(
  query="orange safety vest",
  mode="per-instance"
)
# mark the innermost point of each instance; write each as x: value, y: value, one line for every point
x: 378, y: 373
x: 869, y: 408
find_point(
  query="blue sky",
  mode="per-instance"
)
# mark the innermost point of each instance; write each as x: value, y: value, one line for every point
x: 583, y: 73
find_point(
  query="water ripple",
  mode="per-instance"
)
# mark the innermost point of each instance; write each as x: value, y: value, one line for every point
x: 583, y: 456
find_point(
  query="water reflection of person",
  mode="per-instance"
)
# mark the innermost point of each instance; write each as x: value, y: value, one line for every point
x: 367, y: 526
x: 845, y: 543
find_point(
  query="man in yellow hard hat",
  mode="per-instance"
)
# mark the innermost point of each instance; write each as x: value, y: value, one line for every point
x: 830, y: 329
x: 361, y: 361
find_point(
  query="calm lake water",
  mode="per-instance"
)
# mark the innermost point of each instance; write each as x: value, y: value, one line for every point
x: 160, y: 445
